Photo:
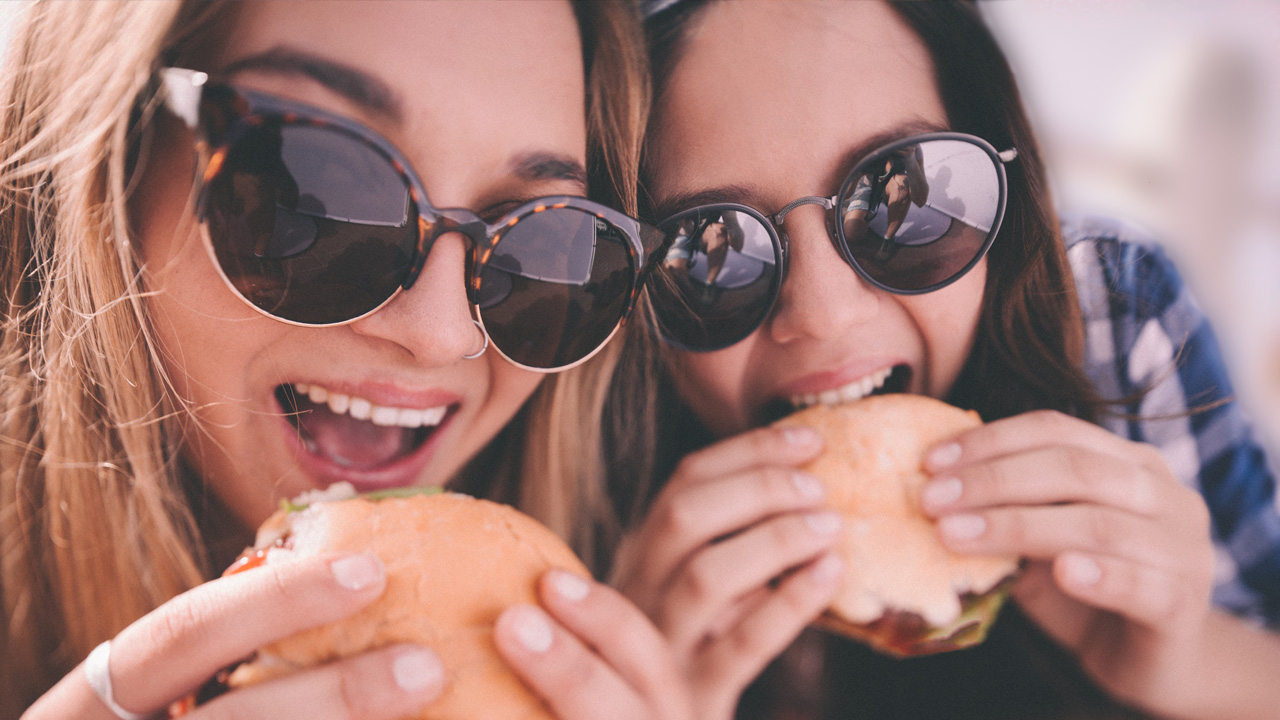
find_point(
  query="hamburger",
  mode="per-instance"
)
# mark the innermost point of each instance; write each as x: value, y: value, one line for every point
x: 903, y: 593
x: 453, y: 564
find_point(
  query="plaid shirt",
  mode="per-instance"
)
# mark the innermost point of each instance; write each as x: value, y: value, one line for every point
x: 1146, y: 338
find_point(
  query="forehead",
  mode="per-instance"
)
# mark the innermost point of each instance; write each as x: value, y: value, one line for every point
x: 781, y: 90
x: 458, y: 69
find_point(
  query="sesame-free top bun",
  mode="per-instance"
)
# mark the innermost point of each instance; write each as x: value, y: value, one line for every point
x: 904, y: 593
x: 454, y: 563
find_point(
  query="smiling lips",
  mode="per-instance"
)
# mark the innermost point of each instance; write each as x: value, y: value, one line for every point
x: 875, y: 383
x: 354, y: 433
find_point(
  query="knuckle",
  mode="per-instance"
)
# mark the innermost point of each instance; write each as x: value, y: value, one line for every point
x: 791, y: 534
x: 1197, y: 511
x: 288, y: 587
x: 349, y: 695
x: 1163, y: 603
x: 799, y: 599
x: 1100, y: 530
x: 1144, y: 494
x: 778, y: 485
x: 574, y: 673
x: 698, y: 580
x: 1151, y: 458
x: 676, y: 518
x: 745, y: 644
x: 1048, y: 421
x: 686, y: 468
x: 1008, y: 526
x: 1083, y: 469
x: 995, y: 481
x: 181, y: 624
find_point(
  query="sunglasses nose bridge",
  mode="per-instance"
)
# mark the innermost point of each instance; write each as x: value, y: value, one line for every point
x: 449, y: 220
x: 780, y: 217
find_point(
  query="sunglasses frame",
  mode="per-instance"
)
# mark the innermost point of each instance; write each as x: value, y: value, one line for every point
x: 773, y: 224
x: 184, y: 91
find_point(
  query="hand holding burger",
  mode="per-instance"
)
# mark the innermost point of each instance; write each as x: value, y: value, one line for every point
x: 904, y: 593
x: 453, y: 564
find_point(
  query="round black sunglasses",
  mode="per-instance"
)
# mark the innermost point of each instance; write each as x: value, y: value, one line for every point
x: 912, y: 217
x: 314, y: 219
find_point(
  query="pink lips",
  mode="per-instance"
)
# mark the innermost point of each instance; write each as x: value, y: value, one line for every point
x: 831, y: 379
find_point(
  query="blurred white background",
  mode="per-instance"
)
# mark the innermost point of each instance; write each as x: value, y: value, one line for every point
x: 1166, y: 113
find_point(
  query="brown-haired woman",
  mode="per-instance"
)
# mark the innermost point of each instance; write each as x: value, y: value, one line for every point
x: 763, y: 111
x: 175, y: 362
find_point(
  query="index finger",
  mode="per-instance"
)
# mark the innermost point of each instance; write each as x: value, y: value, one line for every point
x: 766, y: 446
x: 152, y: 662
x: 1029, y: 431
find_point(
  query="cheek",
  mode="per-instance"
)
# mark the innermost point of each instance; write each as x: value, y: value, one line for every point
x: 713, y: 386
x: 510, y: 383
x: 949, y: 321
x: 509, y: 388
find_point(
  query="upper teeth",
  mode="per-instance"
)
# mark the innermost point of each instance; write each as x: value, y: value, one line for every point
x: 855, y: 390
x: 362, y: 409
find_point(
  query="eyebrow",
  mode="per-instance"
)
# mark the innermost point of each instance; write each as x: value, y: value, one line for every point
x: 868, y: 145
x: 741, y: 194
x: 351, y: 83
x: 549, y: 166
x: 378, y: 98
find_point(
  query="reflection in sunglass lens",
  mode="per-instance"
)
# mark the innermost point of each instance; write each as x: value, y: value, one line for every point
x: 555, y: 287
x: 919, y: 215
x: 310, y: 224
x: 718, y: 279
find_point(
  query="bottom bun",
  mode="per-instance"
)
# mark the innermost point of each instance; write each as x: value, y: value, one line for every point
x: 904, y: 593
x: 453, y: 564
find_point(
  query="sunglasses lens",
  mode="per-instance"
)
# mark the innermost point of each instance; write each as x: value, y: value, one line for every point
x: 719, y: 277
x: 310, y: 223
x: 918, y: 216
x: 556, y: 286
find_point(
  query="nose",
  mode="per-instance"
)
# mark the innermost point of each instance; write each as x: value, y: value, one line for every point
x: 432, y: 319
x: 822, y: 296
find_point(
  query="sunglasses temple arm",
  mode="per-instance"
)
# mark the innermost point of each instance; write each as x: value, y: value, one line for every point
x: 182, y: 90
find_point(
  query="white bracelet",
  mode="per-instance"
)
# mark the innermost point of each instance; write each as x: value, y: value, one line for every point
x: 99, y: 676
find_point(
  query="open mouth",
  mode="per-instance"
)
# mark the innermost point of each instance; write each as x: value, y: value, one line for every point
x: 883, y: 382
x: 353, y: 432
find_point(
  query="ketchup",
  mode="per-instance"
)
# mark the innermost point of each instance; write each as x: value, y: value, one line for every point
x: 248, y: 560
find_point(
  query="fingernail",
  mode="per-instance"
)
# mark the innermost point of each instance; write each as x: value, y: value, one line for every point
x: 940, y: 493
x: 824, y: 523
x: 569, y: 586
x: 416, y: 670
x: 963, y: 527
x: 808, y: 486
x: 802, y: 436
x: 532, y: 628
x: 826, y: 570
x: 1081, y: 571
x: 357, y: 572
x: 945, y: 455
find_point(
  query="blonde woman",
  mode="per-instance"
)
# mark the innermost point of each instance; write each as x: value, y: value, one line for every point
x: 248, y: 251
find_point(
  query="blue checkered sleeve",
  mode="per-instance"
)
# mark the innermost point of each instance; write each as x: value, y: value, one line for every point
x: 1149, y: 347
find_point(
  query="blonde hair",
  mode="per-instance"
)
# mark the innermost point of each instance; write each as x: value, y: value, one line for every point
x: 96, y: 523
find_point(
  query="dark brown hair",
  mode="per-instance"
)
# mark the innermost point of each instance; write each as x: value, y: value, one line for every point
x: 1027, y: 354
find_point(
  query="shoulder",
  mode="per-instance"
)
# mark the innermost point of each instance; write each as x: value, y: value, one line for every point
x: 1140, y: 318
x: 1121, y: 270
